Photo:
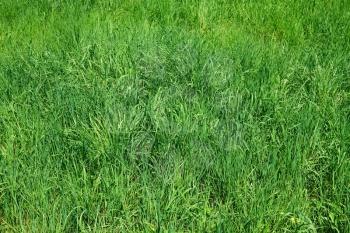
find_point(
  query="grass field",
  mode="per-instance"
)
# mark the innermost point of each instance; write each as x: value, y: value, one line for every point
x: 175, y: 116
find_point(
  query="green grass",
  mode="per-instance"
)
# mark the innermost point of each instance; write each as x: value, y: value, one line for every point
x: 174, y: 116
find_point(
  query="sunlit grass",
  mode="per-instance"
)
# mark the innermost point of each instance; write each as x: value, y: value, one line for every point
x: 174, y: 116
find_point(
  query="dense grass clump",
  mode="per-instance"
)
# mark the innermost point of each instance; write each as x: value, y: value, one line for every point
x: 174, y: 116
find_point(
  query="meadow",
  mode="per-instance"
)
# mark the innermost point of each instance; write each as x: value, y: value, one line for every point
x: 175, y: 116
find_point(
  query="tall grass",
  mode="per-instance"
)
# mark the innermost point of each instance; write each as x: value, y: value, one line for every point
x: 174, y: 116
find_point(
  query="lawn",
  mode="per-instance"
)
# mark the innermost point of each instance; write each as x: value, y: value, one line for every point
x: 175, y: 116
